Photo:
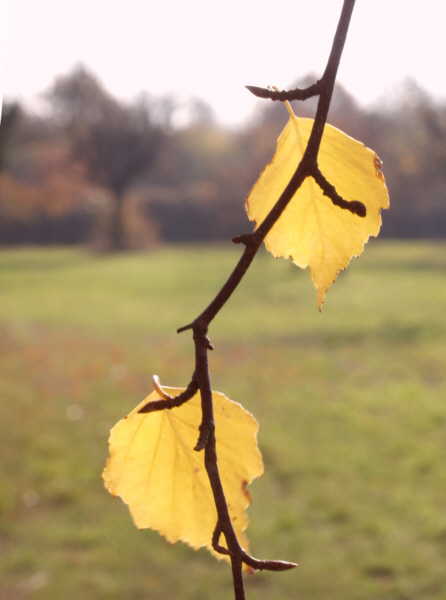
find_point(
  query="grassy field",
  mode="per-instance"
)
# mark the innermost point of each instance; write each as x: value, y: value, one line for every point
x: 351, y: 402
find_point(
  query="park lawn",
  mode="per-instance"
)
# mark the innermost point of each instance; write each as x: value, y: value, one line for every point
x: 351, y: 403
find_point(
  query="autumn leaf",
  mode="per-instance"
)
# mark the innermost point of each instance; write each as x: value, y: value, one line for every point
x: 312, y: 231
x: 152, y: 466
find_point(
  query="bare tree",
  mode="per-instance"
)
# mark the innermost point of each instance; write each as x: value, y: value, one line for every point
x: 117, y: 142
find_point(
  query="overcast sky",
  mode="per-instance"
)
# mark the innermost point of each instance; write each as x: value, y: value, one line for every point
x: 213, y: 49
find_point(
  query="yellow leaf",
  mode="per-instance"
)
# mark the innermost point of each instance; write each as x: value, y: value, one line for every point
x: 311, y: 230
x: 152, y: 466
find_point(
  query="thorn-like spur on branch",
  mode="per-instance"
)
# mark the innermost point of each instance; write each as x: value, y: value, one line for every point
x: 172, y: 402
x: 205, y: 428
x: 354, y: 206
x: 215, y: 539
x: 192, y: 326
x: 245, y: 239
x: 296, y: 94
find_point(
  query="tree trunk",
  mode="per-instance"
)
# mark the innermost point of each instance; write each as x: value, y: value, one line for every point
x: 117, y: 242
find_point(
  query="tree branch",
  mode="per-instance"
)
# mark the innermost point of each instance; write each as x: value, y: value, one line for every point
x: 354, y: 206
x: 201, y: 380
x: 188, y: 393
x: 296, y: 94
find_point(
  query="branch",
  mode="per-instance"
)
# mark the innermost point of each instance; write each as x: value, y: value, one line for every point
x: 296, y: 94
x: 201, y: 380
x: 267, y: 565
x: 170, y: 402
x: 354, y: 206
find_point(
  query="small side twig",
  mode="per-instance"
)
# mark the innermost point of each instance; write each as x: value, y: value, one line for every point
x: 354, y: 206
x: 282, y: 95
x: 252, y: 242
x: 267, y: 565
x: 172, y: 402
x: 215, y: 541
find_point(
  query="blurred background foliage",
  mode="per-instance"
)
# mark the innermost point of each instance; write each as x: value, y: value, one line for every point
x: 95, y: 170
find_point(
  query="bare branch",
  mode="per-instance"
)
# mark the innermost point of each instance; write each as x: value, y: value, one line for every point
x: 201, y: 380
x: 296, y: 94
x: 169, y: 403
x: 267, y: 565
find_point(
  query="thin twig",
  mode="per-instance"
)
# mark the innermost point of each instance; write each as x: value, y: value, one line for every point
x: 306, y: 168
x: 354, y: 206
x: 282, y: 95
x: 267, y: 565
x: 174, y: 402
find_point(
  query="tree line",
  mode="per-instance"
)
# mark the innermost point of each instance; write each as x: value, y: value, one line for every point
x: 93, y: 169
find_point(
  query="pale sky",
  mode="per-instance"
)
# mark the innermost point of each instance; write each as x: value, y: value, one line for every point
x: 212, y: 50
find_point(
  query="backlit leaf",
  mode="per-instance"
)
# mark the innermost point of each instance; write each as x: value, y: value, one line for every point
x: 312, y: 231
x: 152, y: 466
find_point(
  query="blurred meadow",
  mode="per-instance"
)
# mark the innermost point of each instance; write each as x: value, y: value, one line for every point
x: 351, y: 403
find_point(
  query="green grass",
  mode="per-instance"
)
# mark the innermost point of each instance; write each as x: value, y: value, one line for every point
x: 351, y: 402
